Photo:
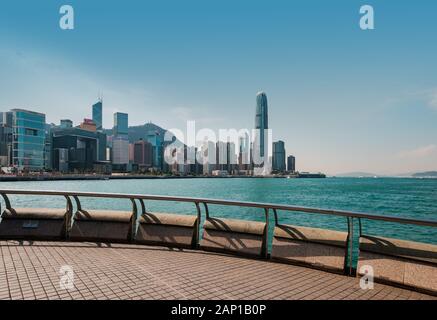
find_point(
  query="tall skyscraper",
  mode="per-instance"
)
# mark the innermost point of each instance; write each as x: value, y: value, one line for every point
x: 208, y: 150
x: 279, y: 156
x: 120, y: 124
x: 261, y: 119
x: 155, y: 138
x: 120, y: 151
x: 120, y: 141
x: 97, y: 114
x: 143, y: 154
x: 244, y: 152
x: 291, y: 164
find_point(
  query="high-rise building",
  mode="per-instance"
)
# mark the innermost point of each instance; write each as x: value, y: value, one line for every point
x: 208, y: 150
x: 226, y: 157
x: 120, y: 151
x: 221, y: 156
x: 278, y: 156
x: 143, y: 154
x: 76, y: 149
x: 48, y: 148
x: 244, y: 152
x: 291, y: 164
x: 131, y: 152
x: 261, y: 120
x: 66, y: 123
x: 97, y: 114
x: 120, y: 141
x: 121, y: 126
x: 155, y: 138
x: 88, y: 125
x: 101, y: 146
x: 5, y: 139
x: 28, y: 141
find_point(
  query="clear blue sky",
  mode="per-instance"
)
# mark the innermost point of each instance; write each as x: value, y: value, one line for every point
x: 341, y: 98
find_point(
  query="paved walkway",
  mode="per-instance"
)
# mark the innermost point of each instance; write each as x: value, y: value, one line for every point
x: 32, y: 271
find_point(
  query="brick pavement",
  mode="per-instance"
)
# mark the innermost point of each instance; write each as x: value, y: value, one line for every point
x: 31, y: 270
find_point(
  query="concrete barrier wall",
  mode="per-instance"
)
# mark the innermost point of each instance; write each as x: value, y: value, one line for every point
x: 320, y: 248
x: 167, y: 230
x: 401, y: 262
x: 30, y: 223
x: 235, y: 236
x: 101, y: 226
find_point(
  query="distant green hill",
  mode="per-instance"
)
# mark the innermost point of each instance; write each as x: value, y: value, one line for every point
x: 140, y: 132
x: 427, y: 174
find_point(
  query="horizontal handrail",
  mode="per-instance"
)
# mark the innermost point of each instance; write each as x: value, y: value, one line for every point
x: 429, y: 223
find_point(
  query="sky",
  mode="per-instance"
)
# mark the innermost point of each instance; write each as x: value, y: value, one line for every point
x: 342, y: 99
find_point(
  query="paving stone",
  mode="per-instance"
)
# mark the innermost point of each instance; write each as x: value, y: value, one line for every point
x: 32, y: 271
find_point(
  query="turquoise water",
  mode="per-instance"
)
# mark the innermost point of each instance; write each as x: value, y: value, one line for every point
x: 413, y: 198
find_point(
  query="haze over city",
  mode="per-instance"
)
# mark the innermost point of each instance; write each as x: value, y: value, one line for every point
x: 340, y: 98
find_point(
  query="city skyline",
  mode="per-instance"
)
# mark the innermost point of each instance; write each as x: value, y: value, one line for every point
x: 342, y: 100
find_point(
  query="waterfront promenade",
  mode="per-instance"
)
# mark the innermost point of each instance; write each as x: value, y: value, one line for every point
x: 136, y: 253
x: 31, y: 270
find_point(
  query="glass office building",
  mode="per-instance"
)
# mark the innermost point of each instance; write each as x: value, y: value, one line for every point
x: 291, y: 164
x: 156, y: 140
x: 279, y: 156
x: 120, y: 124
x: 28, y: 141
x: 261, y: 119
x: 120, y: 140
x: 97, y: 114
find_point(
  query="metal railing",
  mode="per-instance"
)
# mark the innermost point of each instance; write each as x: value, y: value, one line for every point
x: 198, y: 202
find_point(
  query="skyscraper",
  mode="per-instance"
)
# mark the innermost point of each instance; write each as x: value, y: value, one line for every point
x: 244, y: 152
x: 143, y: 154
x: 120, y: 141
x: 279, y: 156
x: 291, y: 164
x: 97, y: 114
x: 261, y: 119
x: 155, y: 138
x: 120, y: 152
x: 120, y: 124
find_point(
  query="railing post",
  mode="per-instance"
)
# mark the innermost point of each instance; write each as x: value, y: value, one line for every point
x: 143, y: 207
x: 68, y: 217
x: 134, y: 218
x: 206, y: 210
x: 264, y: 251
x: 351, y: 242
x: 7, y: 202
x: 196, y: 240
x: 78, y: 205
x: 361, y: 227
x: 276, y: 217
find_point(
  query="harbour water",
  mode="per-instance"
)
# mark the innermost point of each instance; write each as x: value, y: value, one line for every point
x: 413, y: 198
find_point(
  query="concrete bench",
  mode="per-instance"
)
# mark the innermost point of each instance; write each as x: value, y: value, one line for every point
x: 101, y: 226
x: 234, y: 236
x: 33, y: 223
x: 172, y: 230
x: 406, y: 263
x: 319, y: 248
